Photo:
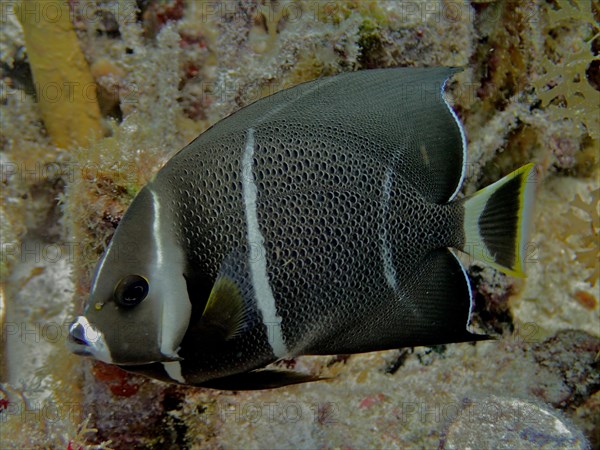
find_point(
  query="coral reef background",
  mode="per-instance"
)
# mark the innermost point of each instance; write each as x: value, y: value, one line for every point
x: 96, y: 95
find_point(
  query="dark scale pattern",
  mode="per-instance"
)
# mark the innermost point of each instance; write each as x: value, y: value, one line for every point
x: 416, y: 227
x: 322, y: 235
x: 317, y: 203
x: 322, y: 151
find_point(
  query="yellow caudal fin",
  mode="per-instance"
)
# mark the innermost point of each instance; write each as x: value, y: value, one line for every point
x: 497, y: 221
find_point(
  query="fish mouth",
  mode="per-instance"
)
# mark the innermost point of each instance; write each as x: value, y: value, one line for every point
x: 77, y: 341
x: 85, y: 340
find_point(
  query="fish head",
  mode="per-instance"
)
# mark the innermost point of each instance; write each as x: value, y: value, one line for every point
x: 138, y: 309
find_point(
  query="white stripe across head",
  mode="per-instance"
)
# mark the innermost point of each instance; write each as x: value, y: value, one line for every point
x: 167, y: 281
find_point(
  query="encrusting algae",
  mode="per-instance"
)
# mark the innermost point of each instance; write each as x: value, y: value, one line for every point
x: 166, y: 70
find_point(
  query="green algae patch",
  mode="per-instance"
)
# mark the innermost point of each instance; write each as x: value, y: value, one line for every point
x: 370, y: 43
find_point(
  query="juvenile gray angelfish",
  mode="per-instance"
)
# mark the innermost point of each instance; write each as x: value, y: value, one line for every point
x: 317, y: 220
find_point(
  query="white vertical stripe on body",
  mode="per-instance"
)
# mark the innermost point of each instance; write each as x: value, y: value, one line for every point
x: 258, y: 265
x: 385, y: 249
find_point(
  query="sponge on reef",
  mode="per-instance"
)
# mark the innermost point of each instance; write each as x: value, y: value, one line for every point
x: 65, y: 89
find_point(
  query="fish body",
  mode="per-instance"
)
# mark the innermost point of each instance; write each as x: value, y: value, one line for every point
x: 317, y: 220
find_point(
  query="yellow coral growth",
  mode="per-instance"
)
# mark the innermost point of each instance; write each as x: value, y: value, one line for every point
x: 65, y: 89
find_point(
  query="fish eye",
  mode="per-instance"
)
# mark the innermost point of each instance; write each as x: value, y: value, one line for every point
x: 131, y: 290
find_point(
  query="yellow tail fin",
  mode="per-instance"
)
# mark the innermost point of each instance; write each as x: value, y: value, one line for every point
x: 497, y: 221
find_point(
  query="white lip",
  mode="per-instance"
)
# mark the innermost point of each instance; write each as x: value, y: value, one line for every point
x: 96, y: 344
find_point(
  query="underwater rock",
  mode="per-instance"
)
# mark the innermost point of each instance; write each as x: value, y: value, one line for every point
x: 507, y: 423
x: 573, y: 356
x: 565, y: 376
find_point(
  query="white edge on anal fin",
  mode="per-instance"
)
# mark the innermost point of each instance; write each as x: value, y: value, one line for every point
x: 463, y: 138
x: 468, y: 282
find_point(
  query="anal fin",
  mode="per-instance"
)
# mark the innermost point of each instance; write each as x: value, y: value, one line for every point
x: 441, y: 302
x: 432, y: 306
x: 260, y: 379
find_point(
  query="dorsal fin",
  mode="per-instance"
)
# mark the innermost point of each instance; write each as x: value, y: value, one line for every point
x: 397, y: 117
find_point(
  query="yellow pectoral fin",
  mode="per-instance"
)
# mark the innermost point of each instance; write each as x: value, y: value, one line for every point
x: 225, y: 314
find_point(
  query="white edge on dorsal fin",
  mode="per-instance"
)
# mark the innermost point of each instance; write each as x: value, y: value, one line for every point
x: 463, y: 138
